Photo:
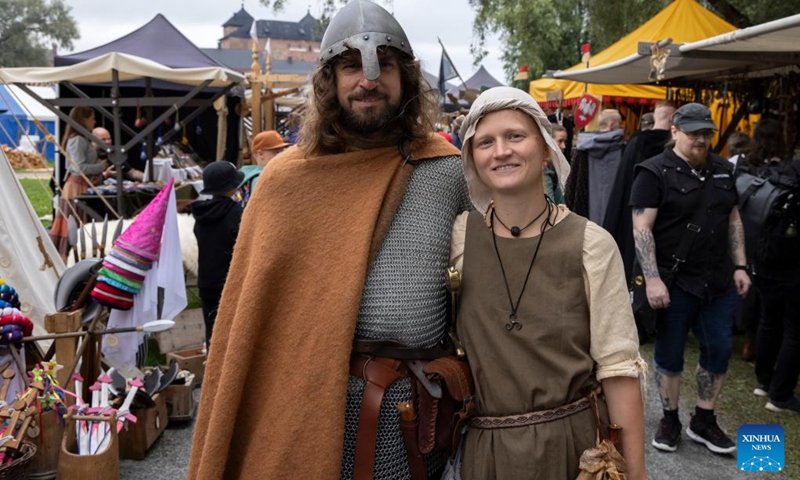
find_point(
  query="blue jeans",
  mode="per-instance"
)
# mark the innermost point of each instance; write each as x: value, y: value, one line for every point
x: 711, y: 322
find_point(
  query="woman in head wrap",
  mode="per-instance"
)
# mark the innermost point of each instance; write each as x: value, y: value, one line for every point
x: 544, y: 312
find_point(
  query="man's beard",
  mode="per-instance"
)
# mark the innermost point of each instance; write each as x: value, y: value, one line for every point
x: 369, y: 121
x: 698, y: 159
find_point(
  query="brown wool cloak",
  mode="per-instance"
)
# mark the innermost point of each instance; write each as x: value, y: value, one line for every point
x: 274, y: 391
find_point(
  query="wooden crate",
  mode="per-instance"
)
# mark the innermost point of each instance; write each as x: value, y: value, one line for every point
x: 136, y: 438
x: 193, y: 360
x: 180, y: 402
x: 189, y: 332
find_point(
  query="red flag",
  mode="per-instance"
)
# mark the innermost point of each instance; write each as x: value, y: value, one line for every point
x: 586, y: 48
x: 522, y: 74
x: 586, y: 110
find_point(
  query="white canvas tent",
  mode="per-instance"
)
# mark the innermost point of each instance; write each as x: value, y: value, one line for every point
x: 22, y: 263
x: 129, y: 67
x: 117, y: 69
x: 746, y: 51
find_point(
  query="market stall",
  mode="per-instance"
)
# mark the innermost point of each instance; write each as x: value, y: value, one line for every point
x: 752, y: 70
x: 115, y: 69
x: 681, y: 21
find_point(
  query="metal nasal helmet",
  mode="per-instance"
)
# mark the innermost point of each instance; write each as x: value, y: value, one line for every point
x: 365, y: 26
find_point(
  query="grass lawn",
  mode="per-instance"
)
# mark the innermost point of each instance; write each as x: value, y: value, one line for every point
x: 737, y: 404
x: 38, y: 192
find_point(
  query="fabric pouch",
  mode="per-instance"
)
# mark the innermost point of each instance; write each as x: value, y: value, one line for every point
x: 603, y: 461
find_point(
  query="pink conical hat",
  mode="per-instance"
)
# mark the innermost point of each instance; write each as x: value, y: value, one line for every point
x: 143, y: 237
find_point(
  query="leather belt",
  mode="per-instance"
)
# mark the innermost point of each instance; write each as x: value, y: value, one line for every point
x: 378, y: 373
x: 532, y: 418
x: 392, y: 349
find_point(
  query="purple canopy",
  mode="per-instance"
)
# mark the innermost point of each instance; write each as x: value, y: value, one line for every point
x: 158, y: 40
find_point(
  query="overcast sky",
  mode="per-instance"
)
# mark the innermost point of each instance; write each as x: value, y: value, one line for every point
x: 100, y: 21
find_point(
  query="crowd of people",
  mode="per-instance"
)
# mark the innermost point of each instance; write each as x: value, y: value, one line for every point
x: 322, y: 271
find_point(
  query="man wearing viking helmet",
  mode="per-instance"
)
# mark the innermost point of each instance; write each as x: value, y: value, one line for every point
x: 345, y: 241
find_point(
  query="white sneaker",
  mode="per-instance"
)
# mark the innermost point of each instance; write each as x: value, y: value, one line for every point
x: 791, y: 405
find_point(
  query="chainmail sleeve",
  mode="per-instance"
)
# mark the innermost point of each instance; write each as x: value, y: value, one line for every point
x: 405, y: 300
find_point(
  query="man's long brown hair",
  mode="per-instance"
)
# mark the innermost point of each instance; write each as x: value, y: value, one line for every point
x: 321, y: 131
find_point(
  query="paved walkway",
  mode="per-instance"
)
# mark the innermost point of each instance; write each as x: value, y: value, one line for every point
x: 692, y: 460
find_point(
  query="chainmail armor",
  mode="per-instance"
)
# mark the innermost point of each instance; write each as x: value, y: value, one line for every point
x: 405, y: 299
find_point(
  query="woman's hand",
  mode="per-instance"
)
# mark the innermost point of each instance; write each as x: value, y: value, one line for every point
x: 109, y: 172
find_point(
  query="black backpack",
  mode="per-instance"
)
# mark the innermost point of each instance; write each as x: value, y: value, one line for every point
x: 769, y: 204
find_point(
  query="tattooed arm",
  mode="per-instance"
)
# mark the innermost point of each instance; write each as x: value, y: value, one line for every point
x: 736, y: 238
x: 736, y: 249
x: 643, y: 221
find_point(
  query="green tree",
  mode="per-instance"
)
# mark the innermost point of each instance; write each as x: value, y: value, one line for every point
x: 28, y: 26
x: 543, y: 34
x: 746, y: 13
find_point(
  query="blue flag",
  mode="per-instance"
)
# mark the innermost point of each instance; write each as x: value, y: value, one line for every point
x: 446, y: 71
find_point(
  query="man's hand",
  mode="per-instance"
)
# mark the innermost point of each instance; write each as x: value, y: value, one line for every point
x: 742, y: 281
x: 657, y: 293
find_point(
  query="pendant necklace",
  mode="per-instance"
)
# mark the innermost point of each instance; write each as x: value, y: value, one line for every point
x: 513, y: 323
x: 515, y: 230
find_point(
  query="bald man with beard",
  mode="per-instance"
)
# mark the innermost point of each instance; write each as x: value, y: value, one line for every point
x: 128, y: 172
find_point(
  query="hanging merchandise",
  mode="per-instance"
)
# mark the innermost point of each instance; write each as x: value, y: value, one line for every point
x: 141, y: 121
x: 184, y: 139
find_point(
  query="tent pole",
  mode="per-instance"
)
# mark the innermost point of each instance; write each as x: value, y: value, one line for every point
x: 118, y: 155
x: 148, y: 92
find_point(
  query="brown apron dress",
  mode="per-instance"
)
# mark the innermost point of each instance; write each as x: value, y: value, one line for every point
x: 544, y: 365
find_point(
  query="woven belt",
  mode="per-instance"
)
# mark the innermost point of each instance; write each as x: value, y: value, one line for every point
x: 543, y: 416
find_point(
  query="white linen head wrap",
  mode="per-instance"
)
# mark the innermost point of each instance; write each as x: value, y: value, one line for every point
x: 492, y: 100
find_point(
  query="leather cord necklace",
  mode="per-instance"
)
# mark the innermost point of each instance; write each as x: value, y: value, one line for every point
x: 515, y: 230
x: 512, y: 318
